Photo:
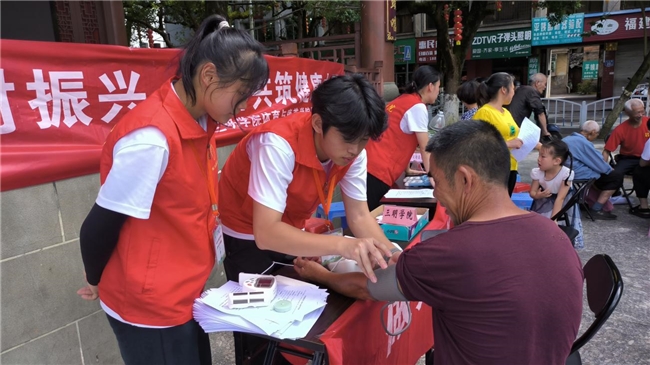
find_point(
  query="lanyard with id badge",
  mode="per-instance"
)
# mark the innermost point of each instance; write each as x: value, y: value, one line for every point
x: 215, y: 223
x: 326, y: 201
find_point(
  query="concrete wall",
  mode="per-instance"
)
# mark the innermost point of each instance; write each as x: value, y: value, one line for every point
x: 43, y: 319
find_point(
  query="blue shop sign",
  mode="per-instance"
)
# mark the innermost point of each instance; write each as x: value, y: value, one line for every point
x: 569, y: 31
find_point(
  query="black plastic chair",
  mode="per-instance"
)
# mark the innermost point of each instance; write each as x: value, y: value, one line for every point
x: 563, y: 214
x: 604, y: 291
x: 582, y: 201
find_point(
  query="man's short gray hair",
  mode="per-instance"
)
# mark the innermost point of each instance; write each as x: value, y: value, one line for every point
x: 630, y: 103
x: 537, y: 77
x: 590, y: 126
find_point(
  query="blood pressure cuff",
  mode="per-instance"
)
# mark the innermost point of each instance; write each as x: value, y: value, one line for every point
x: 386, y: 287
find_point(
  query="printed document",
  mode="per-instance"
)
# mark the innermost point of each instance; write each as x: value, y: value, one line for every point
x: 529, y: 134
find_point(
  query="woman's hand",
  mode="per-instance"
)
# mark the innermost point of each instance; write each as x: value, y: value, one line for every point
x: 515, y: 143
x: 366, y: 252
x: 89, y: 292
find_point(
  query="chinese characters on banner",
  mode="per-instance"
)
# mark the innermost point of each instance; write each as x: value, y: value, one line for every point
x: 569, y: 31
x: 590, y: 70
x: 59, y: 101
x: 502, y: 44
x: 391, y: 20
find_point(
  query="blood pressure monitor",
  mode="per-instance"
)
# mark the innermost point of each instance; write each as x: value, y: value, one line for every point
x: 258, y: 291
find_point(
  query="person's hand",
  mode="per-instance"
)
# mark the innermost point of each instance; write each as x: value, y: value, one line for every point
x: 544, y: 193
x: 89, y: 292
x: 366, y: 252
x: 515, y: 143
x: 308, y: 269
x: 394, y: 258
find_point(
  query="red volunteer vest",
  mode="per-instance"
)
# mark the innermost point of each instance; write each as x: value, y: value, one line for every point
x: 389, y: 156
x: 236, y: 206
x: 161, y: 264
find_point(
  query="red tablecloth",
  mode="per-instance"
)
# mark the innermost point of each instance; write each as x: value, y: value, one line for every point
x: 358, y: 336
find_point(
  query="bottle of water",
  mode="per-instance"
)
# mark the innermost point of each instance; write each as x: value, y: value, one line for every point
x: 437, y: 122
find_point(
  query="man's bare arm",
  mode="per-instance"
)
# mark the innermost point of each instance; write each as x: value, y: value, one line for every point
x: 353, y: 284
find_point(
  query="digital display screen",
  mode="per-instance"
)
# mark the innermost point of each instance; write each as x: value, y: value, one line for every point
x: 264, y: 282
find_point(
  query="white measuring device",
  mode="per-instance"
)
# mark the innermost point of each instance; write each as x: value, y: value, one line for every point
x: 259, y: 291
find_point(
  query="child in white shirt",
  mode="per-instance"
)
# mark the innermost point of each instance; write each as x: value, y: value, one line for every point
x: 551, y: 179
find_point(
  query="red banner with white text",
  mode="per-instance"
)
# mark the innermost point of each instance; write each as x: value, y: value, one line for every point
x: 59, y: 101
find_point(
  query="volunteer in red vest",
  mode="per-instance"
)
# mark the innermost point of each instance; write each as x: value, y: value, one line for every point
x: 278, y: 174
x: 408, y: 121
x: 151, y: 240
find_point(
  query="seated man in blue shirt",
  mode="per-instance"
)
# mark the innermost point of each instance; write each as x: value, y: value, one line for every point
x: 588, y: 163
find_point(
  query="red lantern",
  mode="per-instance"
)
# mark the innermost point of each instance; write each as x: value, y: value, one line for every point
x: 150, y: 37
x: 498, y: 5
x: 446, y: 7
x: 458, y: 26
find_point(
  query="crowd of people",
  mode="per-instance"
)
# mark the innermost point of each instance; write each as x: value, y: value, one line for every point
x: 163, y: 217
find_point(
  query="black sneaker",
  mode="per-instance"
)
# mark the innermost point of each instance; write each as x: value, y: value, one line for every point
x: 602, y: 215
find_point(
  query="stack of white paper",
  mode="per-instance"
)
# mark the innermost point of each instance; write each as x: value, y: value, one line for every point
x: 307, y: 304
x: 409, y: 194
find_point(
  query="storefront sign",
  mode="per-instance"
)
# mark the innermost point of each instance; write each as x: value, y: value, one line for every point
x: 404, y: 51
x: 589, y: 70
x: 391, y: 20
x: 569, y: 31
x: 620, y: 26
x: 533, y: 67
x: 501, y: 44
x: 426, y: 49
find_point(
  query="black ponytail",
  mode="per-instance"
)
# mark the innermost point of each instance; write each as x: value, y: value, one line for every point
x: 422, y: 77
x: 489, y: 88
x: 235, y: 54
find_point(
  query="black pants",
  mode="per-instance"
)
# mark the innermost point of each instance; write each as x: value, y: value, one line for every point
x: 244, y: 256
x: 626, y: 164
x: 184, y: 344
x: 641, y: 180
x: 512, y: 181
x: 611, y: 181
x: 375, y: 190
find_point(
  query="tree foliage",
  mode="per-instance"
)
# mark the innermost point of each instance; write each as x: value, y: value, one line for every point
x: 141, y: 15
x: 451, y: 56
x: 153, y: 15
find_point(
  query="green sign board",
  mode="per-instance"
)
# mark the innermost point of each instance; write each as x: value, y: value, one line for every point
x: 589, y: 70
x: 404, y: 51
x: 502, y: 44
x: 533, y: 67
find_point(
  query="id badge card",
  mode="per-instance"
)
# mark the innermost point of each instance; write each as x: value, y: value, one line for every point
x: 219, y: 246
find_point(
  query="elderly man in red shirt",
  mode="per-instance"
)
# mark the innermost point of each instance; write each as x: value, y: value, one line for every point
x: 631, y: 136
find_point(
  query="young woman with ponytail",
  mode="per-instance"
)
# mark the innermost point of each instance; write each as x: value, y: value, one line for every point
x: 408, y: 121
x: 495, y: 92
x: 149, y: 242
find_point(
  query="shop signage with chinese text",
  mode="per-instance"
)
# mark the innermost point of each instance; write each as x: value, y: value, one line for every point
x: 590, y: 70
x: 502, y: 44
x: 569, y: 31
x: 616, y: 26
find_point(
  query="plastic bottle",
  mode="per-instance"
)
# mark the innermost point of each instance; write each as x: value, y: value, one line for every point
x: 437, y: 122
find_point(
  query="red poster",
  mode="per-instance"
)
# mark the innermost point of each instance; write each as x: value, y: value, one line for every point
x: 614, y: 27
x: 59, y: 101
